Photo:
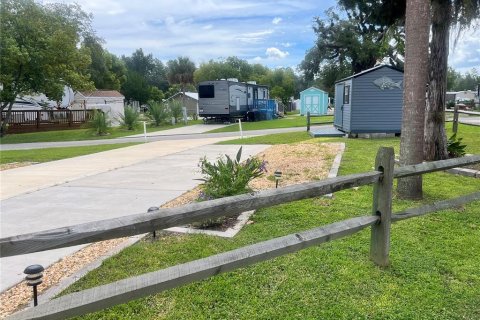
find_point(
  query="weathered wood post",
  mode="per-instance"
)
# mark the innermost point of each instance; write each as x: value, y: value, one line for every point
x: 455, y: 119
x: 70, y: 118
x: 382, y: 206
x: 38, y: 119
x: 308, y: 121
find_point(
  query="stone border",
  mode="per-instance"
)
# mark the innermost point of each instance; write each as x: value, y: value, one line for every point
x: 229, y: 233
x: 465, y: 172
x: 336, y: 166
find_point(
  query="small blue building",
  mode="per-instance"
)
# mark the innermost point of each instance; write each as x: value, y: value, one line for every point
x: 313, y: 100
x: 370, y: 101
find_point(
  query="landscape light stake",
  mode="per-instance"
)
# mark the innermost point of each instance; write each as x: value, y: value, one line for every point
x: 34, y: 278
x: 150, y: 210
x: 278, y: 176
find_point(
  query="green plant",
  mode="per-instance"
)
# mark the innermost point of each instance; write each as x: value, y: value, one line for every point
x: 450, y: 104
x: 130, y: 118
x: 176, y: 109
x: 229, y: 177
x: 225, y: 178
x: 99, y: 124
x: 158, y: 112
x: 455, y: 147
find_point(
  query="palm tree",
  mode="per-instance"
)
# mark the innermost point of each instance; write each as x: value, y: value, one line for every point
x: 417, y: 25
x: 181, y: 71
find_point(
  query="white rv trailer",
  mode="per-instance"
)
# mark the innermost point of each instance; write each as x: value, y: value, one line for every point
x: 227, y: 99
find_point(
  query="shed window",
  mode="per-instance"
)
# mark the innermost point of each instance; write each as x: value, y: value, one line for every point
x: 346, y: 95
x: 206, y: 91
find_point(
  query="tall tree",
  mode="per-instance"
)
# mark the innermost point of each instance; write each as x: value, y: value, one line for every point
x: 40, y: 51
x: 445, y: 13
x: 180, y: 71
x: 417, y: 26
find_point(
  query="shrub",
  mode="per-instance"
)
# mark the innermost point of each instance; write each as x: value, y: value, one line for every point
x: 450, y: 104
x: 225, y: 178
x: 99, y: 124
x: 229, y: 177
x: 176, y: 109
x: 130, y: 118
x: 158, y: 112
x: 455, y: 147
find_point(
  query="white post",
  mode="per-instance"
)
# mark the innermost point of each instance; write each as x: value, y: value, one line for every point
x: 145, y: 130
x: 240, y: 125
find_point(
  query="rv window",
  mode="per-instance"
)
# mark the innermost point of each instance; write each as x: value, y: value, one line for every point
x: 207, y: 91
x: 346, y: 95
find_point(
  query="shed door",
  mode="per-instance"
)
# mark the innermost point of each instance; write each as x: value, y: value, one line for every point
x: 315, y: 105
x: 338, y: 121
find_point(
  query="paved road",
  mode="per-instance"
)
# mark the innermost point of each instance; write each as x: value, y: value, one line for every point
x: 157, y: 137
x: 94, y: 187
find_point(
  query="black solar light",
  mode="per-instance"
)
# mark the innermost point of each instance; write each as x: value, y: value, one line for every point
x: 34, y: 278
x: 150, y: 210
x: 278, y: 175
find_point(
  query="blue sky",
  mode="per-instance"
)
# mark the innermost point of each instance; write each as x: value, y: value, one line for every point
x: 273, y: 33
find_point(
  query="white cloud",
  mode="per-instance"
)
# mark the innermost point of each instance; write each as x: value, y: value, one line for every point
x: 276, y: 53
x: 276, y: 20
x: 287, y: 44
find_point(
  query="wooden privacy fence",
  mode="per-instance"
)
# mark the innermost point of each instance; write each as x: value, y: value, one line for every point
x: 122, y: 291
x: 46, y: 120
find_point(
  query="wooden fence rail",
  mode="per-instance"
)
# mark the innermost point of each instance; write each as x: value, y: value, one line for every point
x: 456, y: 112
x: 122, y: 291
x: 172, y: 217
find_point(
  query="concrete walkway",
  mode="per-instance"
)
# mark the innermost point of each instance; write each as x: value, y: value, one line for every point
x: 95, y: 187
x: 157, y: 137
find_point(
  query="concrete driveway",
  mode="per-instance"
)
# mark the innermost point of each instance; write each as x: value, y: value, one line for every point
x: 95, y: 187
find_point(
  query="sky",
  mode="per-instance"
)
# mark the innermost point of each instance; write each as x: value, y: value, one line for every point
x: 273, y: 33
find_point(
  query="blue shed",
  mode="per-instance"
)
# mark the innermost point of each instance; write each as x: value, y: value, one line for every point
x: 313, y: 100
x: 370, y: 101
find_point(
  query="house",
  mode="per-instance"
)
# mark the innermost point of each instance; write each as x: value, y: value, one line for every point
x: 462, y: 96
x: 370, y: 101
x: 109, y: 101
x: 190, y: 102
x: 313, y: 100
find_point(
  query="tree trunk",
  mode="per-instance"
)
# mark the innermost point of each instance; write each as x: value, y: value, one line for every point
x: 417, y: 25
x: 435, y: 134
x: 4, y: 121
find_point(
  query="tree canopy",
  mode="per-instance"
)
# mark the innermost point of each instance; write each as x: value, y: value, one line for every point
x: 40, y: 50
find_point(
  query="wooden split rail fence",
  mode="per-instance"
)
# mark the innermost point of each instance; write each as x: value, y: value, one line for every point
x: 122, y: 291
x: 456, y: 112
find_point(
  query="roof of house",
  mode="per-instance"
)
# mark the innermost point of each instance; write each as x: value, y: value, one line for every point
x: 193, y: 95
x: 369, y: 70
x: 313, y: 87
x: 102, y: 94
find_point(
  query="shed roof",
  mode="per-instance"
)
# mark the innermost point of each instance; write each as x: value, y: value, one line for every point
x: 369, y: 70
x: 193, y: 95
x: 102, y: 94
x: 315, y: 88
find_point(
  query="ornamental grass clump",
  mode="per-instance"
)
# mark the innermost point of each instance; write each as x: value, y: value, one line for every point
x: 99, y: 124
x: 227, y: 177
x: 158, y: 112
x: 130, y: 118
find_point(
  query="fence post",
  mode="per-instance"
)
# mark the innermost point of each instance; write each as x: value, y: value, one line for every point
x: 70, y: 118
x: 308, y: 121
x: 455, y: 119
x: 382, y: 206
x: 38, y: 118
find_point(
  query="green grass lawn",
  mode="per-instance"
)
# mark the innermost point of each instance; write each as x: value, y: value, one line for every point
x: 82, y: 134
x: 51, y: 154
x: 434, y: 272
x: 287, y: 122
